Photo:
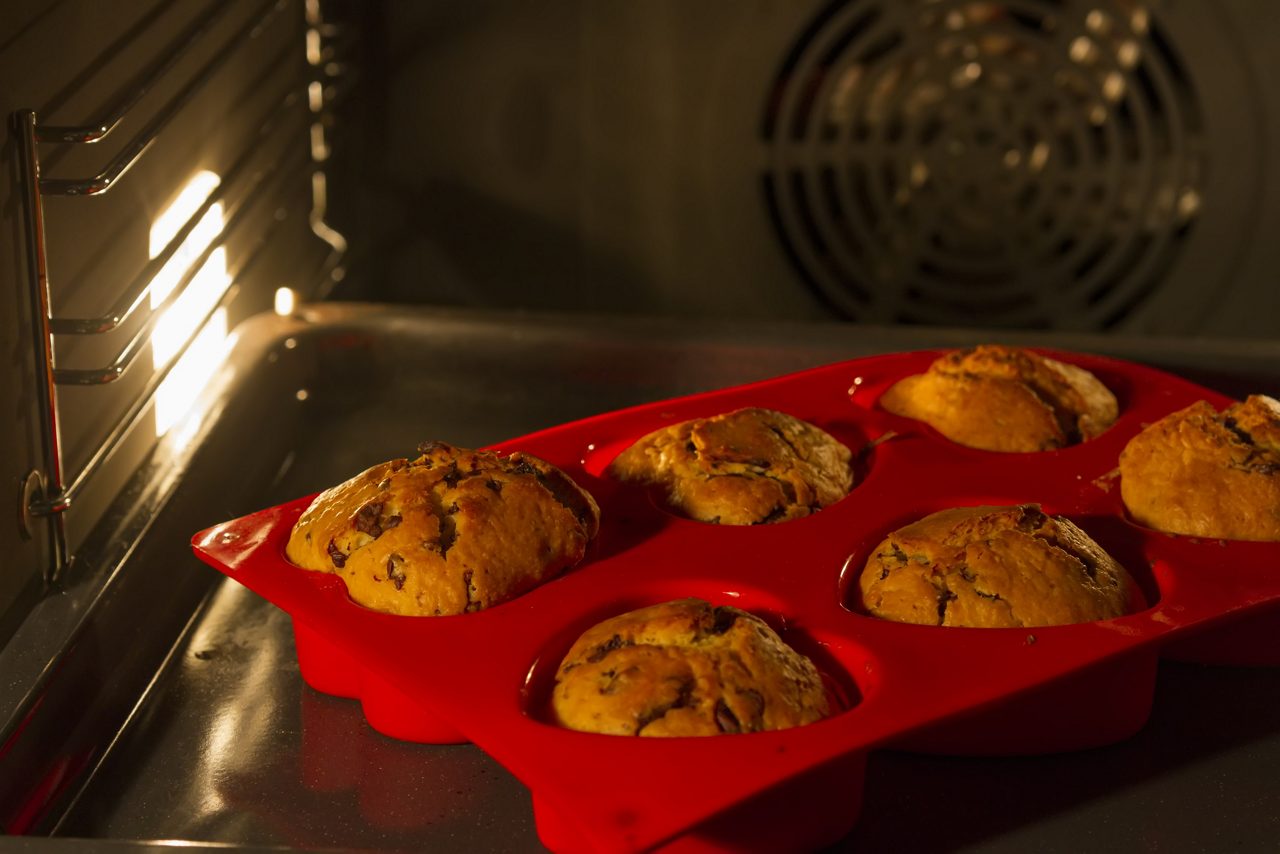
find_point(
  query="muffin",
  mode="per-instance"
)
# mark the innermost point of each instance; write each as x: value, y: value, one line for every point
x: 1207, y: 473
x: 450, y: 532
x: 747, y: 467
x: 995, y: 567
x: 685, y: 668
x: 1000, y: 398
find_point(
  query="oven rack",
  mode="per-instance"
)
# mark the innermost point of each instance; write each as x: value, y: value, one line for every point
x: 48, y: 491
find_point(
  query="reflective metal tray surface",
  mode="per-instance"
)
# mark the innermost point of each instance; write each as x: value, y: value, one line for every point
x: 170, y: 703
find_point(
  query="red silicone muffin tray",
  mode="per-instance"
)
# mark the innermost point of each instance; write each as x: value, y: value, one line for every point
x: 487, y: 677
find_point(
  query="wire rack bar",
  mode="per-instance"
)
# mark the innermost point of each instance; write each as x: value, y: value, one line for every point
x: 140, y: 289
x: 98, y: 129
x: 132, y: 152
x: 138, y: 343
x: 132, y: 417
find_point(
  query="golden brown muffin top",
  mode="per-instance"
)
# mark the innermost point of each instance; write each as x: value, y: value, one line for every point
x: 992, y: 567
x: 685, y: 668
x: 1001, y: 398
x: 746, y: 467
x: 1206, y: 473
x: 453, y: 531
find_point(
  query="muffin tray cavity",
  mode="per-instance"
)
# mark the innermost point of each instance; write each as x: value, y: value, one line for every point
x: 487, y: 677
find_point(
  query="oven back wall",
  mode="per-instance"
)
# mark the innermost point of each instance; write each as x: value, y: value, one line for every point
x: 1040, y: 163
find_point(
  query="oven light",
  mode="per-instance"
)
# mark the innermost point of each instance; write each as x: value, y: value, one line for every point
x: 179, y: 322
x: 315, y: 96
x: 205, y: 232
x: 181, y: 319
x: 171, y: 221
x: 177, y: 394
x: 181, y: 209
x: 286, y: 300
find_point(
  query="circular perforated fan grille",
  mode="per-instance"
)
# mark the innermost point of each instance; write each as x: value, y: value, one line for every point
x: 1030, y: 162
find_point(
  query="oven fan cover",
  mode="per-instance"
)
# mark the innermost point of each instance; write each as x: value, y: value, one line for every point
x: 1030, y: 163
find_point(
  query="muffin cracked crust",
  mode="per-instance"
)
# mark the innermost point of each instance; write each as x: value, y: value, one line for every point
x: 746, y: 467
x: 1205, y: 473
x: 453, y: 531
x: 999, y: 398
x: 685, y: 668
x: 995, y: 567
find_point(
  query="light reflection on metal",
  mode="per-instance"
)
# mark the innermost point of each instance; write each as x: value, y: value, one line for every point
x: 286, y: 301
x: 314, y: 53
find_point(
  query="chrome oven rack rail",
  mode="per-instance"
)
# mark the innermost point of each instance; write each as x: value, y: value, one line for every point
x: 48, y: 491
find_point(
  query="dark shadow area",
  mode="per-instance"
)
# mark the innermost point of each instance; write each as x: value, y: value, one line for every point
x: 1205, y: 721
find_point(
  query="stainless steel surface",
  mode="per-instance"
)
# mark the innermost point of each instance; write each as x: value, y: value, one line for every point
x: 192, y: 723
x: 50, y: 501
x: 107, y: 177
x: 98, y: 129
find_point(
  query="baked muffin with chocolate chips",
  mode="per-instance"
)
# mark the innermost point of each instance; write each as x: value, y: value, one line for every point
x: 999, y: 398
x: 685, y: 668
x: 995, y: 567
x: 1206, y: 473
x: 747, y: 467
x: 453, y: 531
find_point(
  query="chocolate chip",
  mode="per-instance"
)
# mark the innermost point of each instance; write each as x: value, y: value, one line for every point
x: 598, y: 654
x: 723, y: 619
x: 775, y: 515
x: 394, y: 572
x: 366, y: 519
x: 684, y: 694
x: 726, y: 720
x: 452, y: 475
x: 495, y: 485
x: 523, y: 466
x: 391, y: 522
x: 339, y: 559
x: 611, y: 685
x: 944, y: 596
x: 1240, y: 433
x: 1030, y: 518
x: 448, y: 534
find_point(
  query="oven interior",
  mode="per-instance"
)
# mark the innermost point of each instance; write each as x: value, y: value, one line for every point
x: 256, y: 246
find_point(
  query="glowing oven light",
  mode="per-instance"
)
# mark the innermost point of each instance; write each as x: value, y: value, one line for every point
x: 180, y: 321
x: 286, y: 301
x: 177, y: 394
x: 181, y: 209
